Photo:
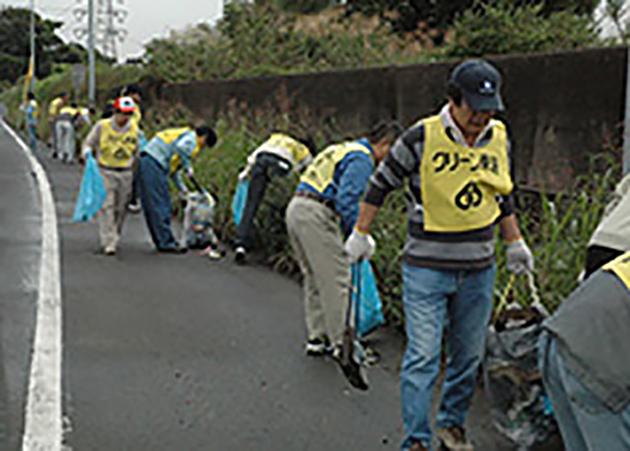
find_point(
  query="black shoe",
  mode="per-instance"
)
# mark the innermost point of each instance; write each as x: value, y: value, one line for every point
x: 240, y: 255
x: 316, y: 347
x: 352, y: 370
x: 173, y: 250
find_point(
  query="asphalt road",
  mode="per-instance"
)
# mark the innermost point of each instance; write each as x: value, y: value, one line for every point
x: 170, y: 352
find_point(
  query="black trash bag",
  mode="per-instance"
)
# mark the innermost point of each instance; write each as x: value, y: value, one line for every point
x: 521, y: 410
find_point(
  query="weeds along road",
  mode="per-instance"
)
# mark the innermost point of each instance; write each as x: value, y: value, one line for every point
x: 177, y: 352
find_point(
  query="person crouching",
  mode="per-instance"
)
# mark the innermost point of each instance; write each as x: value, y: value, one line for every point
x: 155, y: 164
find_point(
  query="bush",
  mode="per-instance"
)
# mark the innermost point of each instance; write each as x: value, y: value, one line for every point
x: 500, y: 27
x: 254, y: 40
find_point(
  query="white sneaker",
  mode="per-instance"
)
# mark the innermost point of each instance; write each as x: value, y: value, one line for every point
x: 110, y: 250
x: 240, y: 255
x: 134, y: 207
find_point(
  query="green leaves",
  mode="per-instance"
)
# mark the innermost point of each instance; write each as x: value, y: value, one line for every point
x: 501, y: 27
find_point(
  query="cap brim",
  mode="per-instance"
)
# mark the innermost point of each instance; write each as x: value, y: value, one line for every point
x: 479, y: 102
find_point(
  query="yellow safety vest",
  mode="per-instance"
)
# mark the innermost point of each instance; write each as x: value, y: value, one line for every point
x: 117, y: 149
x: 621, y: 268
x: 69, y: 111
x: 35, y: 108
x: 321, y: 172
x: 298, y: 151
x: 460, y: 184
x: 169, y: 136
x: 55, y: 106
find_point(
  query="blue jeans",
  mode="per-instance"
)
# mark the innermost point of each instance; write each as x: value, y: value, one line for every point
x: 32, y: 133
x: 586, y: 423
x: 156, y: 202
x: 434, y: 299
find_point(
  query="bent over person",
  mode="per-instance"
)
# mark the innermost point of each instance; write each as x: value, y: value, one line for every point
x: 276, y: 157
x: 584, y: 360
x: 176, y: 148
x: 322, y: 212
x: 458, y: 168
x: 114, y: 144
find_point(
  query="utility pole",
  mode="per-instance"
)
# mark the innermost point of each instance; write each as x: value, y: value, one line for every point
x: 91, y: 60
x: 31, y: 61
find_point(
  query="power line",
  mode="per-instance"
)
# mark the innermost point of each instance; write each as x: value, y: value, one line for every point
x: 109, y: 19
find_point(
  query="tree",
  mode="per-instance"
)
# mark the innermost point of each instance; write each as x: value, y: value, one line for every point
x: 438, y: 15
x: 15, y: 44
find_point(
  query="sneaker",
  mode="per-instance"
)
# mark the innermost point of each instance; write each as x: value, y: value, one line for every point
x: 240, y: 255
x: 454, y: 439
x: 134, y: 207
x: 316, y: 347
x: 109, y: 250
x: 351, y: 368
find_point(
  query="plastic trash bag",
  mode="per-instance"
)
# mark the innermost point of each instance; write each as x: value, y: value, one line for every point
x: 198, y: 221
x: 521, y: 410
x: 369, y: 308
x: 91, y: 194
x: 239, y: 200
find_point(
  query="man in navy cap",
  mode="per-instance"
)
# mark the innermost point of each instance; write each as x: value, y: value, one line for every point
x: 459, y: 173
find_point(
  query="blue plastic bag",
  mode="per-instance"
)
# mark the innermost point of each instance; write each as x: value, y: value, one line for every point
x: 369, y: 308
x: 92, y: 193
x: 239, y: 200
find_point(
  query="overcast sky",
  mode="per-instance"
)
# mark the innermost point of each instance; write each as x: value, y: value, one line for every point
x: 147, y: 18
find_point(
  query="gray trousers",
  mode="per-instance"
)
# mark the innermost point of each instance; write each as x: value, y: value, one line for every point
x: 114, y: 211
x: 66, y: 140
x: 318, y: 246
x: 53, y: 135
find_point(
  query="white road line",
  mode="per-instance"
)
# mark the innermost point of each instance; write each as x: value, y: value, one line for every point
x: 42, y: 422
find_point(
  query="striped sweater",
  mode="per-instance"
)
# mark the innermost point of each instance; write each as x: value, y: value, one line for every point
x: 469, y: 250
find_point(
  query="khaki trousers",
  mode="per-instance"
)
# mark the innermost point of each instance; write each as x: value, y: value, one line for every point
x: 318, y: 246
x: 118, y: 185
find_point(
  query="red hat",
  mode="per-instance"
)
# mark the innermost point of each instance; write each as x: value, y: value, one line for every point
x: 124, y: 105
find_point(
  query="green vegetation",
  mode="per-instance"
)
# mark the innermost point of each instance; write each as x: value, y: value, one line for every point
x: 255, y: 40
x: 15, y: 45
x: 505, y: 28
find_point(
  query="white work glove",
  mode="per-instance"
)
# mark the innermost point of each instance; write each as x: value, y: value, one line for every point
x: 519, y: 257
x: 359, y: 246
x: 243, y: 175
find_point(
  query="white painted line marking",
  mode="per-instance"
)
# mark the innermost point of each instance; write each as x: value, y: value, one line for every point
x: 42, y: 423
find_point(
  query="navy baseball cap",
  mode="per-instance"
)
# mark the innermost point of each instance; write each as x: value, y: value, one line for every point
x: 480, y: 83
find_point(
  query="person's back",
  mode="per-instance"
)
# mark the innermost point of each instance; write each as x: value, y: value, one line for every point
x: 585, y: 359
x: 612, y: 236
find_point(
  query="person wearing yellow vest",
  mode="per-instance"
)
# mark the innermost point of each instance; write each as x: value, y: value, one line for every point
x: 156, y: 160
x: 460, y: 182
x: 114, y: 144
x: 584, y: 355
x: 274, y: 158
x: 30, y: 108
x: 53, y: 112
x: 323, y: 211
x: 67, y: 120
